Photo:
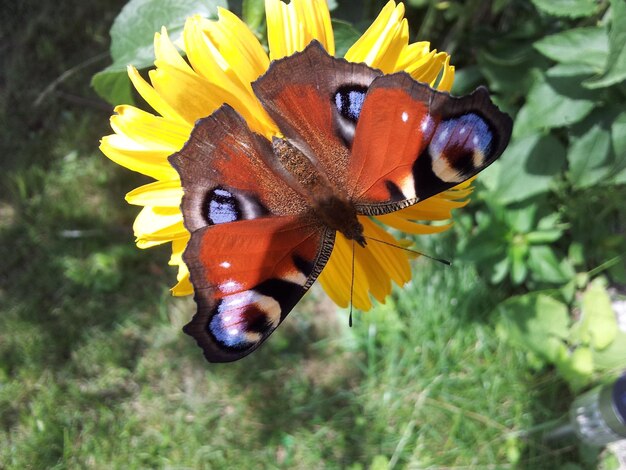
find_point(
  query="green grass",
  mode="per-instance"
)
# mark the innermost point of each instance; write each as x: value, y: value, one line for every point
x: 96, y: 373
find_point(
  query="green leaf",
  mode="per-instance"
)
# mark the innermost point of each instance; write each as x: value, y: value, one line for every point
x: 132, y: 37
x: 536, y: 322
x: 253, y: 13
x: 509, y: 67
x: 589, y: 158
x: 546, y: 267
x: 380, y: 462
x: 588, y: 46
x: 614, y: 355
x: 542, y: 237
x: 576, y: 367
x: 599, y: 322
x: 527, y: 168
x: 554, y: 102
x: 345, y: 36
x: 115, y: 87
x: 519, y: 268
x: 568, y: 8
x: 618, y: 142
x: 615, y: 70
x: 570, y: 70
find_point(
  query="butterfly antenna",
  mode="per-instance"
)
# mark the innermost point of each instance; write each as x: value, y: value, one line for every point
x: 351, y: 287
x: 439, y: 260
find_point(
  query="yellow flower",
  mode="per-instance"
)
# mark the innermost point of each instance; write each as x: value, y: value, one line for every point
x: 223, y: 59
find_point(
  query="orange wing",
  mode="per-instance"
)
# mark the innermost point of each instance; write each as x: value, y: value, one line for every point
x: 252, y: 272
x: 301, y: 94
x: 412, y: 142
x: 255, y: 246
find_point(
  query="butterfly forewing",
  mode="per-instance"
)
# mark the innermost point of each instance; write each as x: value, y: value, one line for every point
x: 413, y: 142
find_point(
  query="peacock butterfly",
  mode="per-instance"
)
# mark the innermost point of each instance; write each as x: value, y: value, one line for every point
x: 263, y: 215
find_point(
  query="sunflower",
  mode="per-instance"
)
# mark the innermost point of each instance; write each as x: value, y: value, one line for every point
x: 223, y: 58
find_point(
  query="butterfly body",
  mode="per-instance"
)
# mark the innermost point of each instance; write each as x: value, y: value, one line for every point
x: 263, y: 215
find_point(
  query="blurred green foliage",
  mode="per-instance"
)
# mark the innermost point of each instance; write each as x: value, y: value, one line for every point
x: 464, y: 367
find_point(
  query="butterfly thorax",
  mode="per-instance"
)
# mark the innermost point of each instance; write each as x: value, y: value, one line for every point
x: 329, y: 204
x: 340, y: 214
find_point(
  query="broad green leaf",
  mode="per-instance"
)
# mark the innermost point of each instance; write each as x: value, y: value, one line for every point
x: 542, y: 237
x: 132, y: 33
x: 576, y: 367
x: 546, y: 267
x: 599, y: 323
x: 582, y: 361
x: 536, y: 322
x: 253, y: 13
x: 521, y: 219
x: 615, y: 70
x: 614, y: 355
x: 345, y: 36
x: 589, y: 158
x: 519, y: 268
x: 380, y: 462
x: 527, y: 168
x: 554, y: 102
x: 588, y: 46
x: 509, y: 68
x: 132, y: 37
x: 568, y: 8
x: 115, y: 87
x: 570, y: 70
x: 618, y: 142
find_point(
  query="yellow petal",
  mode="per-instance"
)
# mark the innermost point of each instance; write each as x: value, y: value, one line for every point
x: 383, y: 42
x: 291, y: 27
x: 447, y: 77
x: 127, y: 153
x: 433, y: 208
x: 394, y: 261
x: 206, y: 59
x: 160, y: 193
x: 216, y: 70
x: 178, y: 248
x: 149, y: 131
x: 157, y: 220
x: 152, y: 97
x: 398, y: 222
x: 374, y: 267
x: 192, y: 96
x: 412, y: 53
x: 165, y: 51
x: 237, y: 45
x: 183, y: 286
x: 337, y: 280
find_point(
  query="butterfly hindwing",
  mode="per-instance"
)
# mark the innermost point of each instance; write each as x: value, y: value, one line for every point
x: 253, y: 272
x: 254, y: 247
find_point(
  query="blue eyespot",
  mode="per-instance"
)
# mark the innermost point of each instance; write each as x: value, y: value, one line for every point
x: 222, y: 207
x: 349, y: 101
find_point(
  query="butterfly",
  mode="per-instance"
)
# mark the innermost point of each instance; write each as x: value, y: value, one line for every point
x: 263, y: 214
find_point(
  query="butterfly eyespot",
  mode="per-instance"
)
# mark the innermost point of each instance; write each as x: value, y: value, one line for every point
x: 242, y: 319
x: 459, y: 147
x: 222, y: 206
x: 348, y: 101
